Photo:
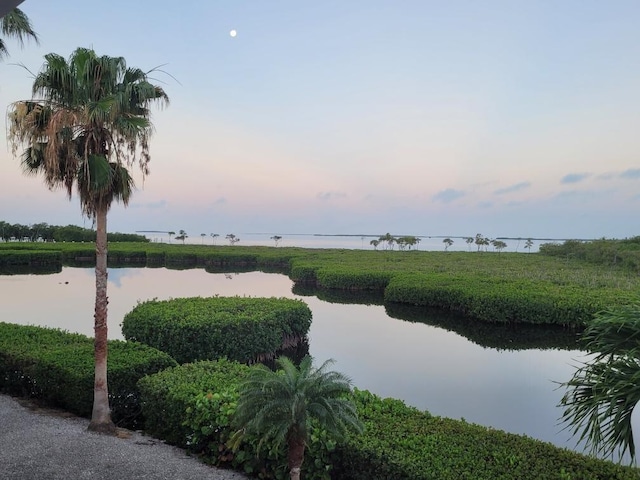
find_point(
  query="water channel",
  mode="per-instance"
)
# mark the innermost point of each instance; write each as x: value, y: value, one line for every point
x: 494, y: 376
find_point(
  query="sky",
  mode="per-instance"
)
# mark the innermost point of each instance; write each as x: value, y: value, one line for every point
x: 415, y: 117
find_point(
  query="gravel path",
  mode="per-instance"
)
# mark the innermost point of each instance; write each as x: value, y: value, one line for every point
x: 44, y: 444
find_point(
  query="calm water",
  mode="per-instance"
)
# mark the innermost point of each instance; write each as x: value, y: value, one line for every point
x: 355, y: 242
x: 429, y: 367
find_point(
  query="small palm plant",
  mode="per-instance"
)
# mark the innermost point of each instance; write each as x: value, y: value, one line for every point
x: 603, y: 393
x: 280, y: 406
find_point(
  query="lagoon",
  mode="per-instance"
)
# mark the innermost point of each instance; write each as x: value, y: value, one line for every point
x: 500, y: 385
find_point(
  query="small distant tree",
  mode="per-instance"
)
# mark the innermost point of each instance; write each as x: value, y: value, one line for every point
x: 276, y: 239
x: 447, y: 243
x: 182, y: 235
x: 469, y: 241
x: 375, y: 244
x: 171, y: 234
x: 213, y: 238
x: 479, y: 240
x: 202, y: 235
x: 388, y: 240
x: 232, y: 239
x: 499, y: 245
x: 528, y: 244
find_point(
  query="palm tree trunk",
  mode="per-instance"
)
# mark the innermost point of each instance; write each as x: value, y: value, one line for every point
x: 295, y: 456
x: 101, y: 415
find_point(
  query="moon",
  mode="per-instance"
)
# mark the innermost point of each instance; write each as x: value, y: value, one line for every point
x: 233, y: 33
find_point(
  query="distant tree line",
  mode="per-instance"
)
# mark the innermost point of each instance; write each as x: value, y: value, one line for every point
x: 388, y: 242
x: 43, y: 232
x: 623, y: 253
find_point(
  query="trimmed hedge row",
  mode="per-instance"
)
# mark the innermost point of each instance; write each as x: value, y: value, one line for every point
x: 404, y: 443
x: 58, y: 368
x: 192, y: 406
x: 503, y: 301
x: 29, y: 257
x: 240, y: 328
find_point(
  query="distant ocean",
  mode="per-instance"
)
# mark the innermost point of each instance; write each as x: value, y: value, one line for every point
x: 354, y: 242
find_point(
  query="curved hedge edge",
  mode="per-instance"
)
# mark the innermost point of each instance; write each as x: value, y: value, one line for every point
x: 57, y: 367
x: 502, y: 301
x: 245, y: 329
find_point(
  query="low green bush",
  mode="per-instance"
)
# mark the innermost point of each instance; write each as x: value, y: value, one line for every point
x: 503, y: 301
x: 352, y: 279
x: 167, y: 395
x: 239, y: 328
x: 193, y: 405
x: 58, y: 368
x: 403, y: 443
x: 33, y: 258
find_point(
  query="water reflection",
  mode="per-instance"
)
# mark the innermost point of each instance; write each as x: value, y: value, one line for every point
x: 425, y: 360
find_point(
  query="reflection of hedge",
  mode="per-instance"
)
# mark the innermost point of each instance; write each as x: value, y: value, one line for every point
x: 519, y: 336
x: 349, y: 297
x: 58, y: 368
x: 503, y: 301
x: 192, y: 405
x: 239, y: 328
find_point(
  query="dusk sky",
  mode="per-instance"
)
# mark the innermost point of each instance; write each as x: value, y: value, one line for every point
x: 509, y: 118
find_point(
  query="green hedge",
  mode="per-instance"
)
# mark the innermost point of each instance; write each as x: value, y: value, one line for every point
x: 503, y: 301
x: 34, y: 258
x: 192, y: 406
x: 166, y: 396
x: 239, y: 328
x: 339, y: 278
x: 58, y: 368
x: 401, y: 443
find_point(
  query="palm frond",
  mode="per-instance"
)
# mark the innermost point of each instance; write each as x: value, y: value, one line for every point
x: 16, y: 25
x: 84, y: 108
x: 602, y: 394
x: 281, y: 404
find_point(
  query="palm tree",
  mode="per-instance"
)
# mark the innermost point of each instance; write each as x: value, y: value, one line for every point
x: 280, y: 406
x: 528, y: 244
x: 16, y: 25
x: 171, y: 234
x: 276, y: 239
x: 469, y: 241
x: 602, y: 394
x: 87, y: 124
x: 447, y: 243
x: 213, y: 238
